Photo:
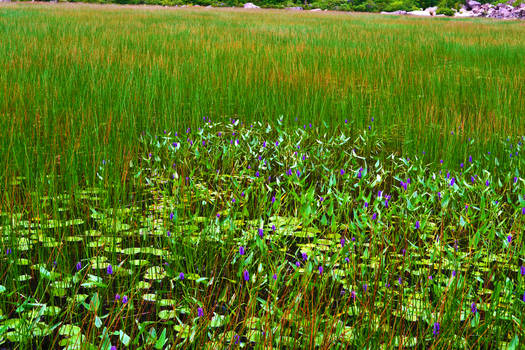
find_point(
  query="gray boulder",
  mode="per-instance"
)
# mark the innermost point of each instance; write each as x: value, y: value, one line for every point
x: 432, y: 10
x: 249, y: 5
x: 419, y: 13
x: 400, y: 12
x: 472, y: 4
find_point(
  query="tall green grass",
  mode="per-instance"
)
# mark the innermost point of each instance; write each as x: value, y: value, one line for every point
x: 79, y: 84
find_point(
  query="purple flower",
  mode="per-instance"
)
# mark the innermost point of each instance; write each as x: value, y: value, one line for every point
x: 509, y: 238
x: 472, y: 179
x: 342, y: 242
x: 274, y: 277
x: 241, y: 250
x: 453, y: 273
x: 273, y: 227
x: 273, y: 199
x: 365, y: 287
x: 441, y: 161
x: 233, y: 200
x: 352, y: 294
x: 523, y: 299
x: 261, y: 232
x: 374, y: 216
x: 113, y: 347
x: 264, y: 144
x: 124, y: 299
x: 78, y: 266
x: 168, y: 233
x: 435, y: 331
x: 171, y: 216
x: 347, y: 260
x: 9, y: 251
x: 470, y: 159
x: 400, y: 280
x: 473, y: 308
x: 453, y: 181
x: 346, y: 121
x: 523, y: 211
x: 246, y: 275
x: 200, y: 312
x: 461, y: 165
x: 110, y: 269
x: 321, y: 199
x: 366, y: 204
x: 305, y: 256
x: 417, y: 225
x: 276, y: 143
x: 522, y: 270
x: 342, y: 172
x: 117, y: 297
x: 298, y: 173
x: 430, y: 277
x: 320, y: 270
x: 218, y: 215
x: 439, y: 195
x: 181, y: 276
x: 298, y: 264
x: 487, y: 183
x: 257, y: 173
x: 515, y: 179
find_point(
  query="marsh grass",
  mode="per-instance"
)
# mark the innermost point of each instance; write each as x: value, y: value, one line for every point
x: 92, y: 100
x: 79, y: 82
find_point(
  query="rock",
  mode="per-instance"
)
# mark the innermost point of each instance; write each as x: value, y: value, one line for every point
x: 472, y: 4
x: 249, y: 5
x: 419, y: 13
x: 432, y: 10
x: 295, y: 8
x: 315, y: 10
x: 400, y: 12
x: 463, y: 13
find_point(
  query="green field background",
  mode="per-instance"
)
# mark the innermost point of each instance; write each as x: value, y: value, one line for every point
x: 79, y: 84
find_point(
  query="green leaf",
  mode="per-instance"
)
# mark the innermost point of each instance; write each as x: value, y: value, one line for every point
x: 161, y: 341
x: 514, y: 343
x: 94, y: 304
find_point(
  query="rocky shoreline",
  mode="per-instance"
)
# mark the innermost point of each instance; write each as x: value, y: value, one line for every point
x: 473, y: 8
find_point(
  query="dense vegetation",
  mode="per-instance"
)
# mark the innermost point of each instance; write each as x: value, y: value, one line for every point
x: 203, y: 179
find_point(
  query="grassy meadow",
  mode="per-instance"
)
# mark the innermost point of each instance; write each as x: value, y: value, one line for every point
x: 218, y: 178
